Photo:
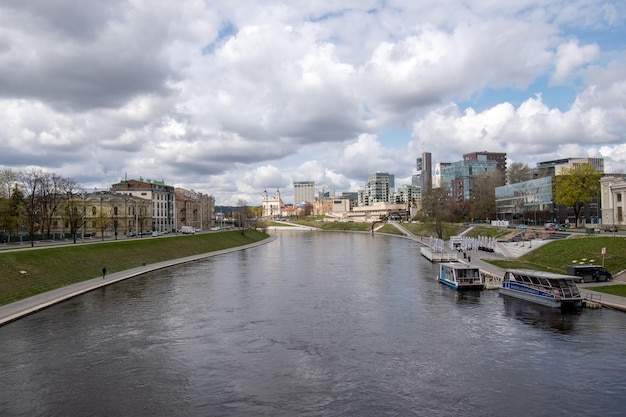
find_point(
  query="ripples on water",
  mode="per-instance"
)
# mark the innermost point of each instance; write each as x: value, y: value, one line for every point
x: 314, y: 324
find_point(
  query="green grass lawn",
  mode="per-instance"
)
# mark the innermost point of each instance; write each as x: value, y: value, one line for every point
x: 28, y: 272
x: 555, y: 256
x: 428, y: 229
x: 390, y: 229
x: 619, y: 290
x: 493, y: 232
x: 333, y: 225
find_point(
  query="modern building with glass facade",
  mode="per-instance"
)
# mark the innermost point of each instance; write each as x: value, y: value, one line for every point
x: 461, y: 169
x: 527, y: 201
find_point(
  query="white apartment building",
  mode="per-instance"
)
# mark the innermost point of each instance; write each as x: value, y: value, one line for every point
x: 303, y: 191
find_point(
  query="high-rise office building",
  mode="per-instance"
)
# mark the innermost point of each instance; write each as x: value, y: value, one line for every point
x: 498, y: 157
x: 303, y: 191
x: 378, y: 188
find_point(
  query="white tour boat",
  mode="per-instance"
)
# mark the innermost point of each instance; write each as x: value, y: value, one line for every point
x: 545, y: 288
x: 461, y: 276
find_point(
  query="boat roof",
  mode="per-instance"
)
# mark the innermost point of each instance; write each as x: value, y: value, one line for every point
x: 457, y: 265
x: 542, y: 274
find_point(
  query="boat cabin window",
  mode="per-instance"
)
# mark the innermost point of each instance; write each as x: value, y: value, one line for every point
x: 524, y: 278
x: 544, y: 282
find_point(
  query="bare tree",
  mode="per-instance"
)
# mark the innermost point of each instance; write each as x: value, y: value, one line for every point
x: 435, y: 204
x: 243, y: 214
x: 483, y: 195
x: 519, y: 172
x: 51, y: 197
x: 31, y: 182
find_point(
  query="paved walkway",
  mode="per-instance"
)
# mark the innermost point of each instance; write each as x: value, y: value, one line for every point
x: 30, y: 305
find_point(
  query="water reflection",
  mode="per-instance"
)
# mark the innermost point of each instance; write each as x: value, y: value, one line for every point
x: 541, y: 316
x: 461, y: 297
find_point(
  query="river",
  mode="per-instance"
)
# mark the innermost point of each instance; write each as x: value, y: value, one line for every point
x: 312, y: 324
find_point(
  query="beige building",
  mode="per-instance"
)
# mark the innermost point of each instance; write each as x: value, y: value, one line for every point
x: 108, y: 215
x: 194, y: 209
x: 613, y: 200
x: 162, y: 197
x: 375, y: 211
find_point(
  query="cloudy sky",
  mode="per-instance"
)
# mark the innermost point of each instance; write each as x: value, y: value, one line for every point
x: 231, y: 97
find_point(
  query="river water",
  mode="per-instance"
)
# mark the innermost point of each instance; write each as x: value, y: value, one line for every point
x: 312, y: 324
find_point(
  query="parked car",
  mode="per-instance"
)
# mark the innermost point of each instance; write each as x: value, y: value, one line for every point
x: 611, y: 228
x: 589, y: 273
x: 522, y: 227
x: 549, y: 227
x: 132, y: 234
x: 561, y: 228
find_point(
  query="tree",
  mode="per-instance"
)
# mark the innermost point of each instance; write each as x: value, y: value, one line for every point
x: 73, y: 206
x: 576, y: 187
x: 435, y: 203
x: 483, y: 195
x: 51, y: 197
x: 103, y: 220
x: 243, y: 214
x: 519, y: 172
x: 11, y: 211
x: 8, y: 178
x: 31, y: 181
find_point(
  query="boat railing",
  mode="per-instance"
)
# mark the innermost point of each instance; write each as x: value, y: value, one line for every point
x: 469, y: 280
x: 569, y: 293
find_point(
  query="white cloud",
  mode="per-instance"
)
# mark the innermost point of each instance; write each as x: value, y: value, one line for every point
x: 228, y: 100
x: 570, y: 56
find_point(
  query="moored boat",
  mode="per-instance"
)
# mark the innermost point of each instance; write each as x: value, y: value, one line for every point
x: 460, y: 276
x: 545, y: 288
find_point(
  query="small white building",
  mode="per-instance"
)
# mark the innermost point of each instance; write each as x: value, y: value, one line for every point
x: 613, y: 197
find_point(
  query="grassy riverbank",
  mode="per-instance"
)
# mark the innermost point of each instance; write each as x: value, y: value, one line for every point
x: 555, y: 256
x: 28, y: 272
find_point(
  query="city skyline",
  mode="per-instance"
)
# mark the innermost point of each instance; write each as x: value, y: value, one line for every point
x: 230, y: 100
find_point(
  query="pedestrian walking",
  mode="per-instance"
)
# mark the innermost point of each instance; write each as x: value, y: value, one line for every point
x: 104, y: 272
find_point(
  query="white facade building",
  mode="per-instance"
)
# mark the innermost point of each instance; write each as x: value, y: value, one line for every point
x: 272, y: 206
x: 303, y: 191
x: 613, y: 195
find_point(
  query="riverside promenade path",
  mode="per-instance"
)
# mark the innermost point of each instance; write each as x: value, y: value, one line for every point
x: 509, y: 250
x: 18, y: 309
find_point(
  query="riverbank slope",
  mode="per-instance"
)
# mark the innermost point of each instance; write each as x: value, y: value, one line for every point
x: 30, y: 271
x: 26, y: 306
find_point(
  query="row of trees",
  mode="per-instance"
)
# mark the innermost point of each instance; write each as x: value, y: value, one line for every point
x: 30, y: 199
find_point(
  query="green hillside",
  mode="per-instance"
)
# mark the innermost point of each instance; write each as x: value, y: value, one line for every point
x: 28, y: 272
